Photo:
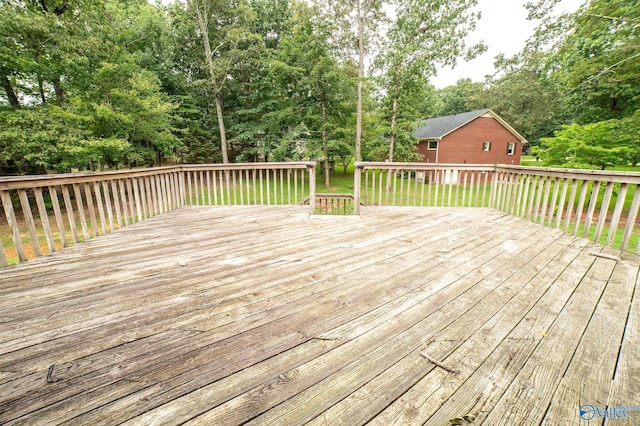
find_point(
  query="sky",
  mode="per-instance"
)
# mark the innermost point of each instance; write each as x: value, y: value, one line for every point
x: 504, y: 29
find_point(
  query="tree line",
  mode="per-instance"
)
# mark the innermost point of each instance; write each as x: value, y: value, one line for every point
x: 94, y: 84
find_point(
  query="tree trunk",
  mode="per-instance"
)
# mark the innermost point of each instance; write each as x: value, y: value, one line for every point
x: 360, y: 77
x: 203, y: 23
x: 325, y: 148
x: 43, y: 98
x: 223, y: 138
x: 57, y: 87
x: 11, y: 94
x: 394, y: 115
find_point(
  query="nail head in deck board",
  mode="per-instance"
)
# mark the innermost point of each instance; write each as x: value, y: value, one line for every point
x: 118, y: 398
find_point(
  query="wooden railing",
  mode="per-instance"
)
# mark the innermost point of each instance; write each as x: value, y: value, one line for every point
x: 334, y: 204
x: 249, y: 183
x: 422, y: 184
x: 47, y: 212
x: 599, y: 205
x: 602, y: 206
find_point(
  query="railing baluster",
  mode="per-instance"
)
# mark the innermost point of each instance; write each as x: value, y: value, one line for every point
x: 103, y: 219
x: 7, y: 204
x: 604, y: 209
x: 423, y: 178
x: 233, y: 179
x: 58, y: 215
x: 208, y: 173
x: 123, y: 200
x: 563, y: 197
x: 592, y: 208
x: 83, y: 219
x: 254, y: 174
x: 107, y: 203
x: 631, y: 221
x: 581, y: 200
x: 131, y: 211
x: 554, y: 200
x: 570, y: 204
x: 136, y: 197
x: 44, y: 219
x: 281, y: 186
x: 92, y: 211
x: 28, y: 217
x: 3, y: 257
x: 617, y: 212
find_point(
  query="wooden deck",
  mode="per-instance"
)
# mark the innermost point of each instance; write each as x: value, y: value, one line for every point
x: 225, y: 315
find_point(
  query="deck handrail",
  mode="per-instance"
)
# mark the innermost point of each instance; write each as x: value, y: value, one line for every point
x: 600, y: 205
x: 567, y: 199
x: 85, y: 205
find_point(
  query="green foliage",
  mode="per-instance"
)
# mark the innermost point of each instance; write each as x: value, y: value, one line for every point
x: 424, y: 34
x: 599, y: 61
x: 601, y: 145
x: 38, y: 139
x: 464, y: 96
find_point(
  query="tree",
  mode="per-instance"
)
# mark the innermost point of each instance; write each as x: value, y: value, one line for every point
x: 227, y: 40
x: 425, y: 33
x: 365, y: 17
x: 464, y: 96
x: 584, y: 146
x: 595, y: 65
x: 318, y: 90
x: 76, y: 70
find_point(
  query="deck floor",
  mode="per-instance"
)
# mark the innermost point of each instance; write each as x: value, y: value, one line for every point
x: 219, y: 315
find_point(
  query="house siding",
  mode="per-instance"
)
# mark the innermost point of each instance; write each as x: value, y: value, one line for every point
x: 464, y: 145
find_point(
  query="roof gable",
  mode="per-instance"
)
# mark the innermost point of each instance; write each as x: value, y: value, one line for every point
x: 439, y: 127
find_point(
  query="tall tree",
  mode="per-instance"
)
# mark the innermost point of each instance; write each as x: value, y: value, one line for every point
x: 464, y: 96
x: 317, y: 87
x: 594, y: 63
x: 224, y: 28
x: 365, y: 18
x: 424, y: 34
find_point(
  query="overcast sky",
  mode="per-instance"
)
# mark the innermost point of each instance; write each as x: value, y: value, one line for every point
x: 504, y: 29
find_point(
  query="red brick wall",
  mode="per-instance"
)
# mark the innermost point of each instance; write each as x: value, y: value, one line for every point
x: 465, y: 145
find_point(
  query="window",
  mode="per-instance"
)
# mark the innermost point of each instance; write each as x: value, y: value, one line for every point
x: 486, y: 146
x: 432, y: 145
x: 511, y: 148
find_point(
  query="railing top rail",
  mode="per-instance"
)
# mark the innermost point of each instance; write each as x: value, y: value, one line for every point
x: 422, y: 166
x: 35, y: 181
x: 320, y: 195
x: 582, y: 174
x: 251, y: 166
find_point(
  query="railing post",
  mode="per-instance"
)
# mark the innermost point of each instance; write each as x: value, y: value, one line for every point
x: 312, y: 187
x: 357, y: 178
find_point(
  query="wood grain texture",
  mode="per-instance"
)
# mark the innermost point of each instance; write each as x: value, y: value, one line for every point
x: 263, y: 314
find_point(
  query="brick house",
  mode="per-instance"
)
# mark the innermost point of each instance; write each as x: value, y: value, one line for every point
x: 475, y: 137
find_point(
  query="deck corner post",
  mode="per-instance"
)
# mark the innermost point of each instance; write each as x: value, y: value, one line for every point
x: 312, y: 187
x: 357, y: 178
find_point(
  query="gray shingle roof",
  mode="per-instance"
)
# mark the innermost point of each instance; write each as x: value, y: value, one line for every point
x: 441, y: 126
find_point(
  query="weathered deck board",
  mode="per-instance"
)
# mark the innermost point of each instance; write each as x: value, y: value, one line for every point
x: 219, y: 315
